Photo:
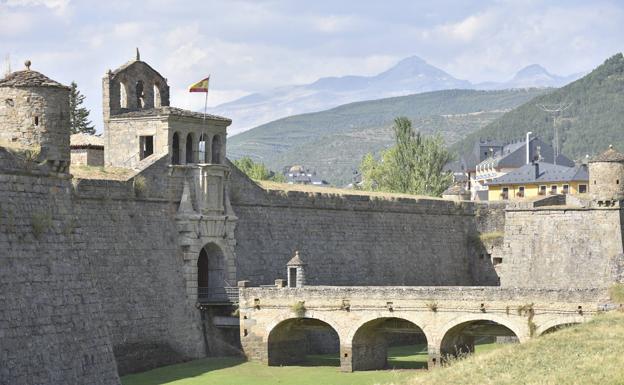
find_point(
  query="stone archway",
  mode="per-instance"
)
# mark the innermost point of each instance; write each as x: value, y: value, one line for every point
x: 294, y: 340
x: 211, y: 278
x: 373, y: 339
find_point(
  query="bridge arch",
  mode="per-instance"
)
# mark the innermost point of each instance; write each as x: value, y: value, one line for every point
x: 291, y: 340
x: 371, y: 339
x: 559, y: 323
x: 458, y: 336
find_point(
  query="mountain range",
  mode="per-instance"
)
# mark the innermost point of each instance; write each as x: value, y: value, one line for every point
x: 333, y: 142
x: 411, y: 75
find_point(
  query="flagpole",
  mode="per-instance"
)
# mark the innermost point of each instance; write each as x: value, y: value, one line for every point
x: 206, y: 101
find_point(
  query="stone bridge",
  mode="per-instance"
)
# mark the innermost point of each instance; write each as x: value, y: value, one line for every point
x: 276, y: 321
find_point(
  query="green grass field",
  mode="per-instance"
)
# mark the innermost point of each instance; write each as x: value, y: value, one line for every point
x: 318, y: 370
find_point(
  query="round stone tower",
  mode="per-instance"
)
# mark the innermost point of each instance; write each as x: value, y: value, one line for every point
x: 606, y: 175
x: 34, y: 114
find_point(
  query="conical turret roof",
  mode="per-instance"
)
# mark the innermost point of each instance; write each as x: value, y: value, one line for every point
x: 29, y: 78
x: 296, y: 260
x: 611, y: 155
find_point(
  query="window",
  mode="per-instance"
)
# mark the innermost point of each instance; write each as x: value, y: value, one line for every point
x: 520, y: 193
x: 505, y: 193
x: 497, y: 261
x: 190, y: 149
x: 216, y: 149
x: 36, y: 120
x: 617, y: 181
x: 10, y: 103
x: 203, y: 158
x: 542, y: 190
x: 582, y: 188
x: 565, y: 189
x: 175, y: 149
x: 553, y: 189
x: 146, y: 144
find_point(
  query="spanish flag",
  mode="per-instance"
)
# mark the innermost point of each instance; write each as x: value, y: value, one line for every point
x: 200, y: 86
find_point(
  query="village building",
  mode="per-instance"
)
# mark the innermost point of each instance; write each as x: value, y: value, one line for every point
x: 87, y: 150
x: 539, y: 179
x: 506, y: 158
x: 298, y: 174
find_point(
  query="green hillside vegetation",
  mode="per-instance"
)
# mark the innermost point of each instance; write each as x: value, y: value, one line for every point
x: 333, y: 142
x: 585, y: 354
x: 594, y: 119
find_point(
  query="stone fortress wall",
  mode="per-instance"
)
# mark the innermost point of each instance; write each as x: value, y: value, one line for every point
x: 351, y: 239
x: 53, y: 325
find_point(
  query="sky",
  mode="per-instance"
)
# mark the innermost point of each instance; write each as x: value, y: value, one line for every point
x: 252, y: 46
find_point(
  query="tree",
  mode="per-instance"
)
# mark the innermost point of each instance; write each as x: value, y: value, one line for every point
x: 414, y: 165
x: 78, y: 116
x: 257, y: 171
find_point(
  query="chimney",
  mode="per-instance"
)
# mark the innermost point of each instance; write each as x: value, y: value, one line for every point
x: 528, y: 147
x: 536, y: 165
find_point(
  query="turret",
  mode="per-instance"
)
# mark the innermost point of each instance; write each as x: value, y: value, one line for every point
x: 606, y: 176
x: 34, y: 113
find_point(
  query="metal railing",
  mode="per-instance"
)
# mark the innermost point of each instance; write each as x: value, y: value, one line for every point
x: 221, y: 295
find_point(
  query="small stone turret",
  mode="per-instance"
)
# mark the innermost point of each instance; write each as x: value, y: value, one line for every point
x: 34, y: 113
x: 606, y: 176
x: 296, y: 271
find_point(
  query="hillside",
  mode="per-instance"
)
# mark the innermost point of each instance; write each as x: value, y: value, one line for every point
x: 594, y: 119
x: 333, y: 142
x: 586, y: 354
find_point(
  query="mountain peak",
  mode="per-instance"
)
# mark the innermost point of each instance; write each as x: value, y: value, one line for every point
x: 532, y: 70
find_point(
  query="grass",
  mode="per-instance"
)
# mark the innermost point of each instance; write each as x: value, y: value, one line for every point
x: 318, y: 369
x: 95, y: 172
x: 590, y: 353
x: 270, y: 185
x: 26, y: 153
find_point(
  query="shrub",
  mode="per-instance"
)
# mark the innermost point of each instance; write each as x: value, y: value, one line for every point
x: 616, y: 292
x: 140, y: 186
x: 433, y: 306
x: 41, y: 222
x: 298, y: 308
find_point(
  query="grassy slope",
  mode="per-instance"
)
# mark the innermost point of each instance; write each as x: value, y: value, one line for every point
x: 592, y: 353
x: 592, y: 122
x: 234, y: 371
x: 333, y: 142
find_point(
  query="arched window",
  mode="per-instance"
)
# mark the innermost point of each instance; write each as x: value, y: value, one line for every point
x: 139, y: 94
x: 203, y: 156
x: 175, y: 149
x: 157, y: 101
x: 123, y: 95
x: 216, y: 149
x: 190, y: 149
